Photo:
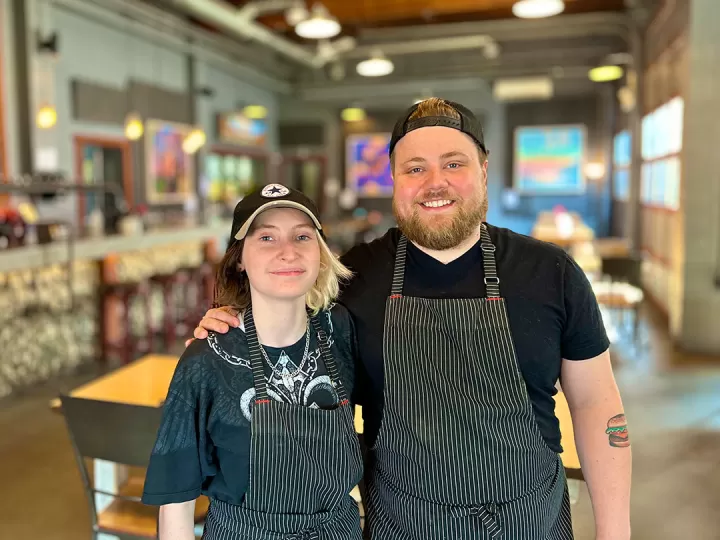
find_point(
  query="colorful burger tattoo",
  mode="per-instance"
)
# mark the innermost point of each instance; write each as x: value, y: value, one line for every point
x: 617, y: 430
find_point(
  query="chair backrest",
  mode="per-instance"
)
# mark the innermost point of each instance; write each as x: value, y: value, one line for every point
x: 110, y: 431
x: 626, y: 269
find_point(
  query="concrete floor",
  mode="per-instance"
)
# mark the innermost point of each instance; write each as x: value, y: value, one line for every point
x: 672, y: 402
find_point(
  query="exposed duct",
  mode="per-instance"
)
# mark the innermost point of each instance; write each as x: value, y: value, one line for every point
x: 241, y: 23
x: 423, y: 46
x: 253, y: 10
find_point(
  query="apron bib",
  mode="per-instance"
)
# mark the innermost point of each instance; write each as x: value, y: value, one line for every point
x: 303, y: 464
x: 459, y: 454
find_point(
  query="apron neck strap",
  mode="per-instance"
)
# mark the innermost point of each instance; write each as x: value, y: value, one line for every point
x: 329, y: 361
x: 256, y: 359
x: 492, y: 281
x: 399, y: 272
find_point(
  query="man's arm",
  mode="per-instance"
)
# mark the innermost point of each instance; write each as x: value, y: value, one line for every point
x: 602, y: 441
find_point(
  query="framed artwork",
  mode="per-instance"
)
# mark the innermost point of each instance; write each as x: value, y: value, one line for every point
x: 169, y: 172
x: 367, y: 164
x: 236, y: 128
x: 550, y: 160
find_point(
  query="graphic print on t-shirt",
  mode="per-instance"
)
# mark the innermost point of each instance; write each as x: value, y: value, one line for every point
x: 291, y: 378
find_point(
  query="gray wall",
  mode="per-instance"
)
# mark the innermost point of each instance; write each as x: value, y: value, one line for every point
x: 593, y: 204
x: 229, y: 93
x: 95, y: 53
x: 117, y: 57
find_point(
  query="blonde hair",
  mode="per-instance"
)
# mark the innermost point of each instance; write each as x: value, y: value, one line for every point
x: 435, y: 107
x: 232, y: 287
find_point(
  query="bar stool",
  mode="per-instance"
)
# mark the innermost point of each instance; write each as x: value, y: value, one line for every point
x: 129, y: 346
x: 171, y: 284
x: 191, y: 298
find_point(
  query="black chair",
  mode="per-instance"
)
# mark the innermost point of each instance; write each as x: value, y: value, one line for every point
x: 625, y: 269
x: 123, y: 434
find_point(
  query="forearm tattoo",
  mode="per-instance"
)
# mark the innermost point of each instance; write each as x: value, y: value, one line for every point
x: 617, y: 431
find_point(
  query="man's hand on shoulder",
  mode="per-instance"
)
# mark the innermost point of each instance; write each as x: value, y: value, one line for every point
x: 218, y: 320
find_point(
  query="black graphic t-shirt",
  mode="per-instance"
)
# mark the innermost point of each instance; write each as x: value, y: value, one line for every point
x: 203, y: 443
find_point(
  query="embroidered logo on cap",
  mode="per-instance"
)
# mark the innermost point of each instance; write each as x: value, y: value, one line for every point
x: 274, y: 190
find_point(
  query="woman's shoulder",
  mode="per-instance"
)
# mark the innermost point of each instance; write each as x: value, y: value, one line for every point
x: 230, y: 348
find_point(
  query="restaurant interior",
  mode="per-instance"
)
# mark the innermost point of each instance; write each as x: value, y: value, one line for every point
x: 129, y: 129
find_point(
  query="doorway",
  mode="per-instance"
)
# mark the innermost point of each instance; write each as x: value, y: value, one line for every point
x: 103, y: 161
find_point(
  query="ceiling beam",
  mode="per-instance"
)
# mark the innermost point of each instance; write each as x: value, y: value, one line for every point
x: 588, y: 25
x: 348, y: 92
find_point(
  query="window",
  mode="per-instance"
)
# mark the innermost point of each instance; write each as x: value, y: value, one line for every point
x: 662, y: 142
x: 622, y: 158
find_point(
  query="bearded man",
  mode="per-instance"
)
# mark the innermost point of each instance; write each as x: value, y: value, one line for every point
x: 463, y: 330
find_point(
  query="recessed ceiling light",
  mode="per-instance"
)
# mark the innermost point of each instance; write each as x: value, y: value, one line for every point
x: 536, y: 9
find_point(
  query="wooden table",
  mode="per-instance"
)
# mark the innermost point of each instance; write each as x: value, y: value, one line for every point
x: 146, y: 382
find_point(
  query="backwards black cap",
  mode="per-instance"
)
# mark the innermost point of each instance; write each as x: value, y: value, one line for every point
x: 270, y: 196
x: 467, y: 123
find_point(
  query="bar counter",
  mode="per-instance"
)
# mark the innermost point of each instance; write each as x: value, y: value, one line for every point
x: 37, y: 256
x: 53, y: 315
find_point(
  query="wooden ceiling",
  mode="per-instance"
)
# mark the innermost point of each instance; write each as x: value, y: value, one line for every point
x: 355, y: 14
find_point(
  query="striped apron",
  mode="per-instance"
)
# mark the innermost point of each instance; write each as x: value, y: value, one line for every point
x: 303, y: 464
x: 459, y: 454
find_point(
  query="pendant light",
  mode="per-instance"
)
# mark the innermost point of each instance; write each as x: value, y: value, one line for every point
x: 537, y: 9
x: 134, y: 128
x: 376, y: 66
x: 46, y: 117
x: 605, y: 73
x: 320, y: 25
x: 194, y: 141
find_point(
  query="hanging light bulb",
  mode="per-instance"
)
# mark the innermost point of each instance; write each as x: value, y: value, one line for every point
x: 194, y: 141
x: 46, y: 117
x: 134, y: 128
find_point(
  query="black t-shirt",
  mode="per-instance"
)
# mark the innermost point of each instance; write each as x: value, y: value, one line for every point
x: 203, y: 443
x: 552, y: 310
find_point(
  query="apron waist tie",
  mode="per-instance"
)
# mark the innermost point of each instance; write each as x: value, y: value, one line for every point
x: 307, y: 534
x: 488, y: 514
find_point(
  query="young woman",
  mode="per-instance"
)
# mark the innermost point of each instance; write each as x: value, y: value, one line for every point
x: 258, y: 419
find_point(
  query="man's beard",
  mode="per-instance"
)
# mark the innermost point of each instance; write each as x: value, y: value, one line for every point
x: 469, y: 214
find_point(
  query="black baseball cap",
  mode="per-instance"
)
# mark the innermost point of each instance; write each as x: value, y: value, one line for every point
x: 467, y: 123
x: 270, y: 196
